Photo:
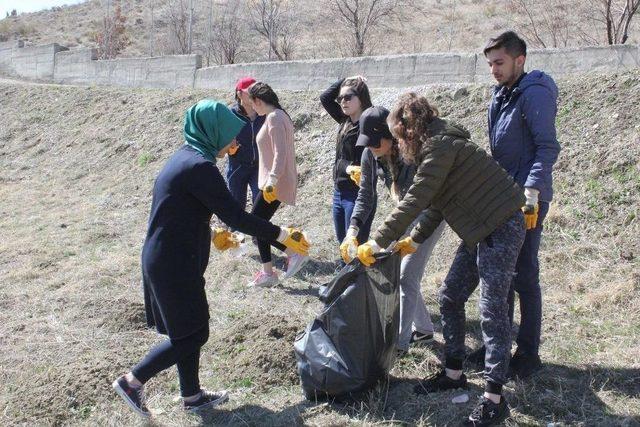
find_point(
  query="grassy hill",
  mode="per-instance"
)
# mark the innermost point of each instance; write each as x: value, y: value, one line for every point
x: 441, y: 25
x: 77, y: 166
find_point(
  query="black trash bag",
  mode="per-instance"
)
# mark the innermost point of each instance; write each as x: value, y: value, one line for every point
x: 351, y: 344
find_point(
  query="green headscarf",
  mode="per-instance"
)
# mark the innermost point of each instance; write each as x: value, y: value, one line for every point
x: 209, y: 126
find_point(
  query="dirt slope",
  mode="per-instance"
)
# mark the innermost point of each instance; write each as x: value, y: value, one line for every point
x: 76, y: 170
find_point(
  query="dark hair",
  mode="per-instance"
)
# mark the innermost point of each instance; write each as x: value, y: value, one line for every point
x: 510, y: 41
x: 409, y: 121
x: 240, y: 106
x: 263, y: 92
x: 361, y: 90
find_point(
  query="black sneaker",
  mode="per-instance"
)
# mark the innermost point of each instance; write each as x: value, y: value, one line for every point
x: 207, y: 400
x: 487, y: 413
x: 476, y: 358
x: 418, y: 338
x: 523, y: 365
x: 133, y: 396
x: 439, y: 382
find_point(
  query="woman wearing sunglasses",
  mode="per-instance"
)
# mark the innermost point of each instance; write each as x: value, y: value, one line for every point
x: 345, y: 100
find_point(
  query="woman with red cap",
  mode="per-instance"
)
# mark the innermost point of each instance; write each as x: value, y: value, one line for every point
x: 242, y: 169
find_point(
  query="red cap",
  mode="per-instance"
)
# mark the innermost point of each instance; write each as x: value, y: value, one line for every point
x: 244, y: 83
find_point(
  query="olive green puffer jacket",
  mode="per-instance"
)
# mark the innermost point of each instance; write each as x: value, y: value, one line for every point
x: 456, y: 181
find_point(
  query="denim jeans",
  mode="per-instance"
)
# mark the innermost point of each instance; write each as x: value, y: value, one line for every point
x: 343, y: 204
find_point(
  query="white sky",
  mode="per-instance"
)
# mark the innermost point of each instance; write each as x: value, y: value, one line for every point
x: 31, y: 5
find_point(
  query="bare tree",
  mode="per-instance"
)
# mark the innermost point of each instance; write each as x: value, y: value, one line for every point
x: 617, y: 16
x: 547, y: 23
x: 362, y: 17
x: 225, y: 37
x: 178, y: 16
x: 112, y: 39
x: 273, y: 20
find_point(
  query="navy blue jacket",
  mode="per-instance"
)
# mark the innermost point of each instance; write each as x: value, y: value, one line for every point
x: 247, y: 154
x: 522, y: 131
x: 187, y: 192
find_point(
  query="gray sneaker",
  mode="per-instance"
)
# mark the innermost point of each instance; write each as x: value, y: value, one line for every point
x: 207, y: 400
x: 132, y: 396
x: 264, y: 280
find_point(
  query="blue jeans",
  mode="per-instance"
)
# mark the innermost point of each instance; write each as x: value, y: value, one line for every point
x: 343, y: 204
x: 527, y: 284
x: 239, y: 176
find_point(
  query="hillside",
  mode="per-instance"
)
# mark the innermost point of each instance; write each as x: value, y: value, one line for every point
x: 77, y: 166
x: 439, y: 26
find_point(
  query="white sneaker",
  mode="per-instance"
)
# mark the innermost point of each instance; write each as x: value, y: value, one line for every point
x: 295, y: 262
x: 264, y: 280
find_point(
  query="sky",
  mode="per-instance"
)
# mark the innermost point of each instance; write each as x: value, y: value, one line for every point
x: 31, y: 5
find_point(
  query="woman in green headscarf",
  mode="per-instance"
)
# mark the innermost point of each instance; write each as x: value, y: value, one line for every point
x: 186, y: 193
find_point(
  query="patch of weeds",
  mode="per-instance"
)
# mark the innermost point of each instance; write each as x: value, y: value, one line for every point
x: 245, y: 382
x: 144, y: 159
x: 234, y: 315
x: 68, y: 253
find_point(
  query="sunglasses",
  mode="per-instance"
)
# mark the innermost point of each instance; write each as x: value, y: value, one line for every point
x: 346, y: 97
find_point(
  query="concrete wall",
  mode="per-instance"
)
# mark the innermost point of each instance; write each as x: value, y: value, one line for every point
x: 35, y: 62
x: 381, y: 71
x: 74, y: 66
x: 563, y: 62
x: 79, y: 66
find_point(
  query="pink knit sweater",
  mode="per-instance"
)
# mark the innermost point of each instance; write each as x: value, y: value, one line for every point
x: 278, y: 156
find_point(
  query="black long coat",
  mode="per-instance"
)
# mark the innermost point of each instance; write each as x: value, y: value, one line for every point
x: 186, y: 193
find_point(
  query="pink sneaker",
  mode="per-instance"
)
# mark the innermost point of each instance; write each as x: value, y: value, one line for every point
x: 264, y: 280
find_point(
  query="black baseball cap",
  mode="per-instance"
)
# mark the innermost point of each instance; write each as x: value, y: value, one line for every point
x: 373, y: 127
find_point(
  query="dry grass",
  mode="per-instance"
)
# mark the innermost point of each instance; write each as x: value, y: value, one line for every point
x: 77, y: 167
x: 444, y: 25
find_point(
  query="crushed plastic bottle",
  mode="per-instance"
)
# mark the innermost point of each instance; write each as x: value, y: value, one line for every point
x: 242, y: 247
x: 462, y: 398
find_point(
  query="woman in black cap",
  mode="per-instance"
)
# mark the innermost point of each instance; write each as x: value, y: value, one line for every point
x: 381, y: 152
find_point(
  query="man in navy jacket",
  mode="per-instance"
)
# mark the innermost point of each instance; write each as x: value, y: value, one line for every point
x: 523, y: 141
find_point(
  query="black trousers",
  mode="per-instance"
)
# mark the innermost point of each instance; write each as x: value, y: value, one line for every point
x: 266, y: 210
x: 184, y: 353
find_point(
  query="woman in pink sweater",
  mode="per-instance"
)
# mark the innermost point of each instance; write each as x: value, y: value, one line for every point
x: 277, y: 177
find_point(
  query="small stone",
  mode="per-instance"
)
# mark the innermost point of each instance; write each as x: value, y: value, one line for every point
x: 460, y: 93
x: 463, y: 398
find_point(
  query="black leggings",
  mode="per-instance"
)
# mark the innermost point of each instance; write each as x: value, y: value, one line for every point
x: 183, y: 352
x: 266, y: 211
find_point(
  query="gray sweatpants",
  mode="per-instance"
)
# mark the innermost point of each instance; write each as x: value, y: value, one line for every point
x: 491, y: 263
x: 414, y: 315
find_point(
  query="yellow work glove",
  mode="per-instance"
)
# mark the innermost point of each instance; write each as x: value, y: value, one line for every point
x: 530, y: 216
x: 269, y: 193
x: 367, y: 251
x: 355, y: 172
x: 293, y: 239
x: 223, y: 239
x: 234, y: 148
x: 406, y: 246
x: 531, y: 208
x: 349, y: 246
